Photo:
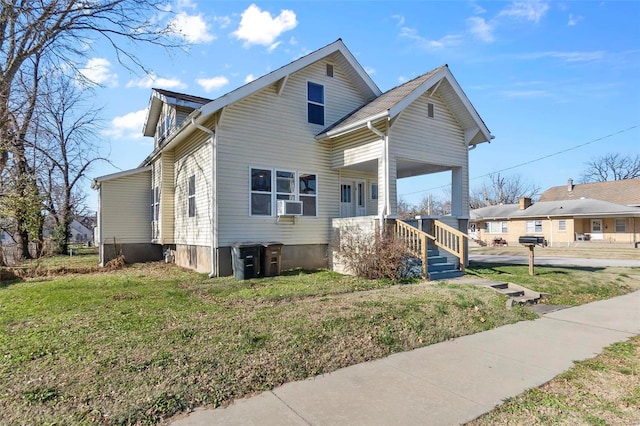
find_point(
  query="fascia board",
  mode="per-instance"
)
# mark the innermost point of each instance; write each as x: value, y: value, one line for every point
x: 354, y: 126
x: 97, y: 181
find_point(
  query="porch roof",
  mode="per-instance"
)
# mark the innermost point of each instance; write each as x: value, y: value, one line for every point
x: 391, y: 103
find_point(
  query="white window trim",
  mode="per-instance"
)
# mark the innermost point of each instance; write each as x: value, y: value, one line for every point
x: 190, y: 196
x: 624, y: 225
x: 541, y: 231
x: 323, y: 105
x: 565, y: 225
x: 274, y: 189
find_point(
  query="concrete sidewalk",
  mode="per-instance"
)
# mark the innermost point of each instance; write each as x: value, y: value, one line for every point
x: 444, y: 384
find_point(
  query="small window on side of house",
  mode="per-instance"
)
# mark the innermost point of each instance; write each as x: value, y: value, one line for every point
x: 621, y: 225
x: 308, y: 193
x: 192, y: 196
x: 430, y: 110
x: 562, y: 225
x: 260, y: 192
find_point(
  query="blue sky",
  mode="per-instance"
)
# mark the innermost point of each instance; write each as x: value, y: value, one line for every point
x: 546, y: 77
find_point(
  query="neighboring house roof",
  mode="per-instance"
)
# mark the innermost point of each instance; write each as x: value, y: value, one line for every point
x: 391, y: 103
x: 625, y: 192
x: 502, y: 211
x: 564, y: 208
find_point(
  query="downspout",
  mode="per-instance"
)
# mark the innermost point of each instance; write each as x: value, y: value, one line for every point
x: 385, y: 169
x: 214, y: 201
x: 550, y: 230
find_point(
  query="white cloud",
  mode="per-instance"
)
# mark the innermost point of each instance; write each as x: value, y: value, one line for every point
x: 526, y: 93
x: 595, y: 55
x: 370, y: 70
x: 481, y: 29
x: 192, y: 28
x: 532, y: 10
x: 260, y: 28
x: 249, y: 78
x: 399, y: 18
x: 213, y: 83
x: 185, y: 4
x: 98, y: 71
x: 154, y: 81
x: 477, y: 9
x: 573, y: 20
x: 402, y: 79
x: 446, y: 41
x: 127, y: 126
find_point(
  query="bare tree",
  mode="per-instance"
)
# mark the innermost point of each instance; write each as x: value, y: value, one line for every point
x: 611, y: 167
x: 67, y: 144
x: 501, y: 190
x: 52, y: 34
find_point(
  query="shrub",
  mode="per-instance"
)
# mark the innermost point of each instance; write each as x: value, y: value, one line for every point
x: 370, y: 254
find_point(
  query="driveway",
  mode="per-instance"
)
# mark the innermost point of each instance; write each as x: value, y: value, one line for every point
x: 553, y: 261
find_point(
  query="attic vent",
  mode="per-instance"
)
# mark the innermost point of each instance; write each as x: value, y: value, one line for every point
x: 329, y: 70
x: 430, y: 110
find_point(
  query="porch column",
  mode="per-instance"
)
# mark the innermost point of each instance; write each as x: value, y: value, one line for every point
x: 392, y: 174
x: 457, y: 197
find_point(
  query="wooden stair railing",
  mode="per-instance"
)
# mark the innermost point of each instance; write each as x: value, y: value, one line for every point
x: 450, y: 239
x: 442, y: 235
x: 415, y: 240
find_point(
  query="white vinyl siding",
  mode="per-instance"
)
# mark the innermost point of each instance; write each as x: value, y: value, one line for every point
x: 251, y: 134
x: 125, y: 216
x: 193, y: 158
x: 438, y: 140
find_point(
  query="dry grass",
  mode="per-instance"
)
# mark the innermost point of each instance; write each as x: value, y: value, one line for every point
x: 601, y: 391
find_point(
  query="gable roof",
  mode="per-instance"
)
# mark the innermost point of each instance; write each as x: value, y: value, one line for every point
x: 160, y: 96
x: 336, y: 50
x: 391, y: 103
x: 356, y: 73
x: 625, y: 192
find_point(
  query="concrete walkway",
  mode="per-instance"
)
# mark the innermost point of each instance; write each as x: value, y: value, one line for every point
x: 444, y: 384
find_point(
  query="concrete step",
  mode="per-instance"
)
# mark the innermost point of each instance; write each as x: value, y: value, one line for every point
x: 444, y: 275
x: 516, y: 293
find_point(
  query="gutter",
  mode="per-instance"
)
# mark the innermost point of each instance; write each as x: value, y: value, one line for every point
x: 214, y: 201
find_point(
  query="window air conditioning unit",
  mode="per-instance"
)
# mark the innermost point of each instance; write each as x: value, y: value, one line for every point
x: 289, y: 208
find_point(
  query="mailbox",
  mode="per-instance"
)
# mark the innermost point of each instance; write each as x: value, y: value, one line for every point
x: 532, y: 240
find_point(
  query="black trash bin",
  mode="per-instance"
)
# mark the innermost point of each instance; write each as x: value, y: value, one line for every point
x: 246, y: 260
x: 271, y: 259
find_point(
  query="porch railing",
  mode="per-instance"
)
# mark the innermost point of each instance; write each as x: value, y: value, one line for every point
x: 442, y: 235
x: 415, y: 240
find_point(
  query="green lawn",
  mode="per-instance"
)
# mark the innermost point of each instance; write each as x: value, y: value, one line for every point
x: 142, y: 343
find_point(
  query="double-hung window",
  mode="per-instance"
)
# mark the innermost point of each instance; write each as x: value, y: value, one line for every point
x: 562, y: 225
x: 308, y: 193
x: 270, y: 185
x: 534, y: 227
x: 261, y: 192
x: 192, y: 196
x: 315, y: 103
x: 621, y: 225
x: 155, y: 206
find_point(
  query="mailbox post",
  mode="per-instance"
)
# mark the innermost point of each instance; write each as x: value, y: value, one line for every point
x: 531, y: 242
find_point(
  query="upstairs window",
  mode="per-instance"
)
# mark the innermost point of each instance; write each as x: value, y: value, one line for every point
x: 315, y: 103
x: 192, y: 196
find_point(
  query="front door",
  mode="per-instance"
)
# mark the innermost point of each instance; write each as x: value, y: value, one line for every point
x: 596, y: 229
x: 361, y: 198
x: 346, y: 200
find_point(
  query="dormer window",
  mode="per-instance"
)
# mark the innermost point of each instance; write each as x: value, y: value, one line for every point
x: 315, y: 103
x: 163, y: 127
